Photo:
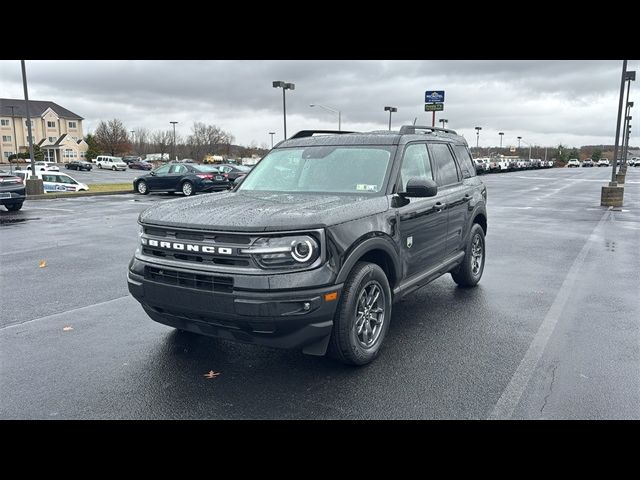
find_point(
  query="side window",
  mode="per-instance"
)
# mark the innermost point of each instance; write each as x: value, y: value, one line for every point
x: 162, y: 170
x: 415, y: 163
x: 444, y: 164
x: 465, y: 161
x: 178, y: 169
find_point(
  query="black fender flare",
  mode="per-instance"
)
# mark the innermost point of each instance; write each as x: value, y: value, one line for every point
x: 385, y: 244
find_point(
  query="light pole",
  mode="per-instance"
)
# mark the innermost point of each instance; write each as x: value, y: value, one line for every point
x: 478, y: 136
x: 272, y: 134
x: 501, y: 135
x: 626, y: 144
x: 390, y: 110
x: 330, y: 109
x: 284, y: 86
x: 627, y: 118
x: 615, y: 148
x: 173, y: 149
x: 443, y: 121
x: 526, y: 143
x: 15, y: 138
x: 34, y: 185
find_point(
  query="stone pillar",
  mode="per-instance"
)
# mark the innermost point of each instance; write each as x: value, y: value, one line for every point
x: 620, y: 178
x: 612, y: 196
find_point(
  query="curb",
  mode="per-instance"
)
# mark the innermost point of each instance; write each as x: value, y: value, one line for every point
x: 73, y: 195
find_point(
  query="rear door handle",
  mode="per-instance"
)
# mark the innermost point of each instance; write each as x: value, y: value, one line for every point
x: 466, y: 198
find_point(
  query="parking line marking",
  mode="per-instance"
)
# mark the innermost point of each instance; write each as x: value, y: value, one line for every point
x: 511, y: 395
x: 46, y: 317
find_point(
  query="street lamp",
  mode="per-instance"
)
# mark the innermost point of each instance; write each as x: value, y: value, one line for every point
x: 527, y: 143
x: 173, y: 152
x: 478, y: 136
x: 34, y: 185
x: 626, y: 122
x: 132, y: 135
x: 501, y: 134
x: 284, y: 86
x: 390, y: 110
x: 443, y: 121
x: 330, y: 109
x: 272, y: 134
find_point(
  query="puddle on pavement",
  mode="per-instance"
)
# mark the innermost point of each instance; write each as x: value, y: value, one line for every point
x: 6, y: 220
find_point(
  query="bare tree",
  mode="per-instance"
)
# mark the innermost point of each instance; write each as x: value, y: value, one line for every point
x: 161, y: 140
x: 142, y: 138
x: 112, y: 137
x: 206, y: 139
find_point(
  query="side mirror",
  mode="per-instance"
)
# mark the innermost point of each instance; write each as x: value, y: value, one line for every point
x: 239, y: 180
x: 421, y: 187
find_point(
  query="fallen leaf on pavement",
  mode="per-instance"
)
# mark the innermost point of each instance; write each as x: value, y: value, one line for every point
x: 43, y: 263
x: 68, y: 328
x: 211, y: 374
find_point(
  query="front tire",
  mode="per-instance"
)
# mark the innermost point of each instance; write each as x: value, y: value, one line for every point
x: 362, y: 319
x: 187, y: 189
x: 142, y: 188
x: 100, y: 166
x: 14, y: 207
x: 113, y: 168
x: 469, y: 273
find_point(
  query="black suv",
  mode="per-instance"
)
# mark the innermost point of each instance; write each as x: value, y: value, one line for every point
x: 317, y: 242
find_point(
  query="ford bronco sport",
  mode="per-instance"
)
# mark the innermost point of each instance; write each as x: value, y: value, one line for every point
x: 316, y: 244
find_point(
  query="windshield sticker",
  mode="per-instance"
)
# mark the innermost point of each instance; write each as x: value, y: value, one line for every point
x: 363, y: 187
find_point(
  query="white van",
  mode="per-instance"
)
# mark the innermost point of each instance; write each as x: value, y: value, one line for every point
x: 55, y: 182
x: 111, y: 163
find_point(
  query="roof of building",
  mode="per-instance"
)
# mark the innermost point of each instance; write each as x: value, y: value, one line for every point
x: 62, y: 137
x: 36, y: 108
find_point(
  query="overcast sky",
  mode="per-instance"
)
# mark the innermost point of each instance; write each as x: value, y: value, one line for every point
x: 545, y: 102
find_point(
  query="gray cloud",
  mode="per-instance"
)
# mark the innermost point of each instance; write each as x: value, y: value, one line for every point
x: 546, y: 102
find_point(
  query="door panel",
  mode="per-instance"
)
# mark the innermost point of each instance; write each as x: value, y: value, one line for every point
x: 155, y: 182
x: 449, y: 179
x: 422, y: 222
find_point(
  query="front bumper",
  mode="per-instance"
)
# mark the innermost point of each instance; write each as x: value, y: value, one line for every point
x: 276, y: 318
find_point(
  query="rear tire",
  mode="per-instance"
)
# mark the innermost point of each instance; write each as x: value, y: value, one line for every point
x: 362, y: 319
x: 14, y: 207
x: 469, y: 273
x: 142, y: 188
x: 187, y: 189
x: 100, y: 166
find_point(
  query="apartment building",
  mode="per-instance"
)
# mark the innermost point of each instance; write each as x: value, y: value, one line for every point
x: 55, y: 129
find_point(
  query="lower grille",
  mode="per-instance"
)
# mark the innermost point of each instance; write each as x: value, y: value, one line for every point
x: 209, y: 283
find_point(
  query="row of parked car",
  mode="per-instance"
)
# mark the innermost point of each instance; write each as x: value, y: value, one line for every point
x: 574, y: 163
x: 497, y: 164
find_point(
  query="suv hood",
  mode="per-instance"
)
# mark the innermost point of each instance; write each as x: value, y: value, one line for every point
x: 259, y: 212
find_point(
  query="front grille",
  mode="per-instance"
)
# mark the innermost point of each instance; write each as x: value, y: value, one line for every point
x: 223, y: 238
x: 209, y: 283
x: 209, y: 239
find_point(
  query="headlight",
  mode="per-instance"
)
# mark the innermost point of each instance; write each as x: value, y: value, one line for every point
x: 285, y: 252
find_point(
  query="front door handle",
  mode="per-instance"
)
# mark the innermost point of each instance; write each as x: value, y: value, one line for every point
x: 466, y: 197
x: 439, y: 206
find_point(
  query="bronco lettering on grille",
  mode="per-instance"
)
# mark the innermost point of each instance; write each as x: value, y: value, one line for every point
x: 189, y: 247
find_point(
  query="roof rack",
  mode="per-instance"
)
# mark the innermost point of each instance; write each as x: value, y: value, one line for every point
x: 409, y: 129
x: 310, y: 133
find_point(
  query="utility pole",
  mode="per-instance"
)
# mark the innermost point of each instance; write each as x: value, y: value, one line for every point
x: 615, y: 148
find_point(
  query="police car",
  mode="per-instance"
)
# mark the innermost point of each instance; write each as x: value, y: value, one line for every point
x: 55, y: 182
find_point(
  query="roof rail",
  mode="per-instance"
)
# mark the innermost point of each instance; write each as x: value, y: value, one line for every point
x: 310, y: 133
x: 409, y: 129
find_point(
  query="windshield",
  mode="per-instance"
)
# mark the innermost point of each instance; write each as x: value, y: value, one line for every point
x: 340, y: 169
x: 242, y: 168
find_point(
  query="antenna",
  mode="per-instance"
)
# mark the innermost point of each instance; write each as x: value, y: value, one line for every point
x: 415, y: 120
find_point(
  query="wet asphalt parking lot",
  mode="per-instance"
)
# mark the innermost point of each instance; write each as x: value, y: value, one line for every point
x: 552, y: 331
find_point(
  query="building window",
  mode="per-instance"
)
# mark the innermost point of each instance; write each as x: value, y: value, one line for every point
x: 68, y: 153
x: 83, y: 154
x: 72, y: 125
x: 27, y: 123
x: 7, y: 154
x: 6, y: 138
x: 51, y: 124
x: 52, y: 139
x: 4, y: 122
